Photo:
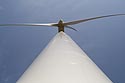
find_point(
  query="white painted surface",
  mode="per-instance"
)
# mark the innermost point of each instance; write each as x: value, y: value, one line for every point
x: 62, y: 61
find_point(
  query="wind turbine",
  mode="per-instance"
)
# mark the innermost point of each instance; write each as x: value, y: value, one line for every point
x: 61, y: 25
x: 63, y: 61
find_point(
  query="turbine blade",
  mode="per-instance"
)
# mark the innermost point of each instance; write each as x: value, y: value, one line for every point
x: 84, y: 20
x: 70, y: 28
x: 28, y: 24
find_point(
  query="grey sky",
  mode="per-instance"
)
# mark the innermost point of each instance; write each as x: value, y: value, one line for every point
x: 1, y: 7
x: 103, y: 40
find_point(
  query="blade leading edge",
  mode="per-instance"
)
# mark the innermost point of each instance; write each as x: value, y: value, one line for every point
x: 70, y: 28
x: 28, y: 24
x: 84, y: 20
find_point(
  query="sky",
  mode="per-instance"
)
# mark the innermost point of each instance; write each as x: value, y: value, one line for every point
x: 103, y: 40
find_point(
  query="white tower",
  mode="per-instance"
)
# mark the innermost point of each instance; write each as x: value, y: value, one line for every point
x: 63, y: 61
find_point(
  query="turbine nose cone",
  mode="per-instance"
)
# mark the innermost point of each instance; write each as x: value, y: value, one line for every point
x: 61, y: 20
